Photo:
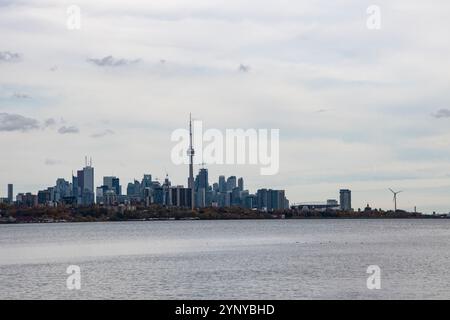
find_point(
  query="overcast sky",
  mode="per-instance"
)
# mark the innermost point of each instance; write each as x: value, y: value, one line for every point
x: 356, y: 108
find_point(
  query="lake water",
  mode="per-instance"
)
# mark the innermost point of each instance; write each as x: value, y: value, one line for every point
x: 268, y: 259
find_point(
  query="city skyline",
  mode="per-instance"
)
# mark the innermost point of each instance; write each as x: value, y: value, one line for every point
x: 353, y: 112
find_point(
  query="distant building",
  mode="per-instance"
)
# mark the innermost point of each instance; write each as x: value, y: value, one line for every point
x: 113, y: 183
x: 45, y: 197
x: 181, y: 197
x: 134, y: 190
x: 110, y: 198
x: 100, y: 194
x: 270, y: 200
x: 222, y: 184
x: 159, y: 196
x: 346, y: 199
x: 262, y: 199
x: 250, y: 201
x: 202, y: 179
x: 241, y: 184
x: 83, y: 186
x: 231, y: 183
x: 27, y: 199
x: 10, y: 193
x: 332, y: 203
x: 235, y: 197
x: 62, y: 190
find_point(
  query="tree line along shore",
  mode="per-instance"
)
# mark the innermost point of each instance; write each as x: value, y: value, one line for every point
x: 11, y: 214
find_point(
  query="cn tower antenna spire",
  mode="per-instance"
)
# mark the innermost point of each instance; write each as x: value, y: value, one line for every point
x: 191, y: 153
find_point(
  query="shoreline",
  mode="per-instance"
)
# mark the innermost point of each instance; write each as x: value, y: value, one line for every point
x: 16, y: 215
x: 430, y: 217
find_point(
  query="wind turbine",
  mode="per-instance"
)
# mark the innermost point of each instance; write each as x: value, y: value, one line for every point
x: 395, y: 197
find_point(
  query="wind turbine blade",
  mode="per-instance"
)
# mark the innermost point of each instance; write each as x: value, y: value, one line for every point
x: 391, y: 190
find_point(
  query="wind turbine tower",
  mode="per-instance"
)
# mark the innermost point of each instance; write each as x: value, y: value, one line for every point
x: 395, y: 198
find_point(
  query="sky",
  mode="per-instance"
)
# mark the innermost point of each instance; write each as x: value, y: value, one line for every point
x: 358, y: 108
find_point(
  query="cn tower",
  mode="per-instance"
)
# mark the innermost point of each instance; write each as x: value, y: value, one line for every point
x: 191, y: 153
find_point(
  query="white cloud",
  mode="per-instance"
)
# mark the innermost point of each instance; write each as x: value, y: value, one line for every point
x: 305, y: 56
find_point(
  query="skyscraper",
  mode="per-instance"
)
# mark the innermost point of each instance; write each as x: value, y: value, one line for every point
x: 203, y: 179
x: 201, y: 188
x: 88, y: 178
x: 346, y: 199
x: 113, y: 183
x: 222, y: 184
x: 231, y: 183
x: 241, y: 184
x: 85, y: 185
x: 10, y: 193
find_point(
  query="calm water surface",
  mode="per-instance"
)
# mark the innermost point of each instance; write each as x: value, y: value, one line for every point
x: 270, y: 259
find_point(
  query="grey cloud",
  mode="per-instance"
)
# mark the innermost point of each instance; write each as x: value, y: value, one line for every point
x: 52, y: 162
x: 50, y: 122
x: 16, y: 122
x: 244, y: 68
x: 102, y: 134
x: 7, y: 56
x: 70, y: 129
x: 442, y: 113
x: 110, y: 61
x: 19, y: 95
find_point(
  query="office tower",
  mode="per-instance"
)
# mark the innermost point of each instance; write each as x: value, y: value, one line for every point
x: 146, y: 181
x: 346, y: 199
x: 158, y: 196
x: 110, y: 198
x: 113, y: 183
x: 231, y: 183
x: 181, y: 197
x: 83, y: 185
x: 166, y: 191
x: 44, y: 197
x: 250, y: 201
x: 166, y: 181
x: 80, y: 182
x: 88, y: 178
x: 241, y: 184
x: 107, y: 181
x: 269, y: 200
x: 262, y: 199
x: 277, y: 199
x: 222, y: 184
x: 10, y: 193
x: 134, y: 189
x: 209, y: 196
x: 200, y: 198
x: 27, y: 199
x: 236, y: 197
x: 203, y: 179
x: 131, y: 190
x: 63, y: 189
x: 99, y: 194
x: 215, y: 187
x: 116, y: 186
x: 75, y: 189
